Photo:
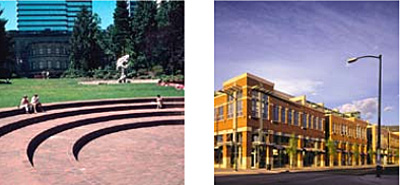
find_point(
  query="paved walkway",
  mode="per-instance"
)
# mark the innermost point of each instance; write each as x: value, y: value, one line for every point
x: 152, y: 155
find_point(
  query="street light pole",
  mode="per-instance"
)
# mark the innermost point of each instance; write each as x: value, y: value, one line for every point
x: 378, y: 147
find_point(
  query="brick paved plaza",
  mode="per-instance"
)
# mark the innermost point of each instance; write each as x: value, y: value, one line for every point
x: 148, y: 147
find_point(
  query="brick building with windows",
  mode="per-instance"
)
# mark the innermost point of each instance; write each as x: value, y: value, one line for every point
x: 349, y: 135
x: 266, y: 121
x: 272, y: 129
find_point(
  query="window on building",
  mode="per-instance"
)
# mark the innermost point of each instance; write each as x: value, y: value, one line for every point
x: 215, y: 114
x: 220, y: 113
x: 49, y: 64
x: 63, y: 65
x: 290, y: 116
x: 265, y: 106
x: 321, y: 121
x: 48, y: 50
x: 310, y: 121
x: 239, y: 95
x: 276, y: 113
x: 283, y: 114
x: 41, y: 65
x: 41, y: 51
x: 296, y: 118
x: 315, y: 122
x: 230, y: 107
x: 57, y: 50
x: 239, y: 137
x: 343, y: 129
x: 58, y: 64
x: 254, y: 104
x: 219, y: 138
x: 304, y: 120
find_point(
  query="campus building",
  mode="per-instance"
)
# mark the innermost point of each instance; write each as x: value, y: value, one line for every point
x: 49, y: 15
x: 257, y: 126
x: 42, y: 39
x: 131, y: 6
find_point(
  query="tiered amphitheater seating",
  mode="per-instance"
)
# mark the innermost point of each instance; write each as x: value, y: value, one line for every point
x: 43, y: 148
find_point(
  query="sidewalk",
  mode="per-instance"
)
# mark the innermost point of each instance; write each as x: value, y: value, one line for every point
x: 223, y: 172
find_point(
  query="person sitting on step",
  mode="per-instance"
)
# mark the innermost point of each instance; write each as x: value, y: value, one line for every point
x: 25, y: 104
x: 159, y: 102
x: 36, y: 103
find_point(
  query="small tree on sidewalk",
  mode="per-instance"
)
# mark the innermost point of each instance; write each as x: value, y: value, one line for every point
x: 331, y: 151
x: 371, y: 154
x: 356, y: 153
x: 292, y: 149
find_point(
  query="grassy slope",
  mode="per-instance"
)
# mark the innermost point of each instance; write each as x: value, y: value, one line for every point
x: 57, y: 90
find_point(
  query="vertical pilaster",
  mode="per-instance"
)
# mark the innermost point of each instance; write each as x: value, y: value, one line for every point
x: 225, y: 157
x: 300, y: 154
x: 246, y: 150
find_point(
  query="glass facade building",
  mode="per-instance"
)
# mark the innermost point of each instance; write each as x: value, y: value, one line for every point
x: 131, y: 6
x: 49, y: 15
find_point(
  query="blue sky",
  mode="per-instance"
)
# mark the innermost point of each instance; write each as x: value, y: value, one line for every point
x: 104, y: 9
x: 303, y: 46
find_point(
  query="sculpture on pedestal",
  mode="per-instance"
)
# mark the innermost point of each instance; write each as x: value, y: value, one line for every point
x: 122, y: 63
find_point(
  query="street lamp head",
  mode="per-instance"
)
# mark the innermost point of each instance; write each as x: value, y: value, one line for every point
x: 351, y: 60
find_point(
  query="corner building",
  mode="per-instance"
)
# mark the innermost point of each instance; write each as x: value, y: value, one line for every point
x: 270, y: 129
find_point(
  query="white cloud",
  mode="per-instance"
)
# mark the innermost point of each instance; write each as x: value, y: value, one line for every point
x: 367, y: 107
x: 388, y: 109
x: 298, y: 86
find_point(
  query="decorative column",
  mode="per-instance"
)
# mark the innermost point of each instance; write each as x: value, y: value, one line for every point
x: 300, y: 153
x: 340, y: 155
x: 225, y: 156
x: 246, y: 150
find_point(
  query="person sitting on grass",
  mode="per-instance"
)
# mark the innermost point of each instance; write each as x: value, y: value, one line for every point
x: 25, y: 104
x: 36, y: 103
x: 159, y: 102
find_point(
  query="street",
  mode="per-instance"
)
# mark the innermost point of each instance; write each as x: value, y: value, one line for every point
x: 337, y: 177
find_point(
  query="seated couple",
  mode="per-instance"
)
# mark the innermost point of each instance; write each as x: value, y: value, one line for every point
x: 34, y: 104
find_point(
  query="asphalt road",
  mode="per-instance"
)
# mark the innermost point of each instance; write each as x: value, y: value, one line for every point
x: 341, y: 177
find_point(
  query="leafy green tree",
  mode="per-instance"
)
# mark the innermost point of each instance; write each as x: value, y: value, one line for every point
x: 144, y: 35
x: 122, y: 29
x: 292, y: 150
x: 356, y: 153
x: 371, y: 154
x: 331, y: 151
x: 170, y: 22
x: 107, y: 45
x: 6, y: 50
x: 86, y: 53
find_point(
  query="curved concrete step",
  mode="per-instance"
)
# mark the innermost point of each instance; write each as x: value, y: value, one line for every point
x: 13, y: 145
x: 10, y: 127
x: 84, y: 140
x: 9, y: 112
x: 152, y: 146
x: 38, y: 139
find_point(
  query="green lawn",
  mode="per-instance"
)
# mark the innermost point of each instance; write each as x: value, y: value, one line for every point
x: 58, y: 90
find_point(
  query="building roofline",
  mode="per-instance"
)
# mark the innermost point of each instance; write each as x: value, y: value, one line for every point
x: 249, y: 75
